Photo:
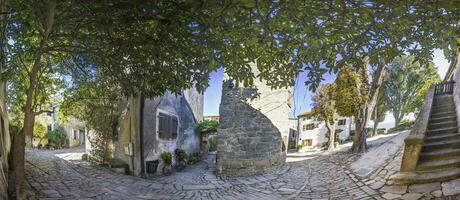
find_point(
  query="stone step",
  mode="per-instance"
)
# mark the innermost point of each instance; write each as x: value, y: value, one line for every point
x: 442, y: 102
x: 426, y: 177
x: 438, y: 164
x: 443, y: 98
x: 431, y: 132
x: 444, y: 124
x: 439, y: 154
x: 442, y: 137
x: 452, y: 105
x: 118, y: 166
x: 442, y: 119
x: 443, y: 114
x: 442, y: 109
x: 441, y: 145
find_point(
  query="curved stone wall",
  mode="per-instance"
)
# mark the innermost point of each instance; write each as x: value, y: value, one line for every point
x: 249, y: 139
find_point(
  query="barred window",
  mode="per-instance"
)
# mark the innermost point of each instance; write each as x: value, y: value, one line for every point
x: 308, y: 127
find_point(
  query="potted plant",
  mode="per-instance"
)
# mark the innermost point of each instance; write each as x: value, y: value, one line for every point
x: 166, y: 157
x: 181, y: 158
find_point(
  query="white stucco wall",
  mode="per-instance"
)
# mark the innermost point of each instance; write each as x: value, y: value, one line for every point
x: 456, y: 78
x: 318, y: 135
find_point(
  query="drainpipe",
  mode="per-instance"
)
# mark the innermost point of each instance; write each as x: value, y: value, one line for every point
x: 141, y: 132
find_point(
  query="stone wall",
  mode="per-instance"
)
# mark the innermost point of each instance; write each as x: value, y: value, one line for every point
x: 249, y: 138
x: 188, y: 107
x: 129, y: 134
x: 456, y: 78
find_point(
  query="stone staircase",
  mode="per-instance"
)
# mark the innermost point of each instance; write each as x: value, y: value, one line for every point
x: 439, y: 158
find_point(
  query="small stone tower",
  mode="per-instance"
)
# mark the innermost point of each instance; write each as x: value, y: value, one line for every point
x: 249, y: 138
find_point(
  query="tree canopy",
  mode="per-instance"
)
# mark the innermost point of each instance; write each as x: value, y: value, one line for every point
x: 324, y: 109
x: 160, y: 46
x: 324, y: 103
x: 351, y: 91
x: 207, y: 126
x: 39, y: 131
x: 406, y: 85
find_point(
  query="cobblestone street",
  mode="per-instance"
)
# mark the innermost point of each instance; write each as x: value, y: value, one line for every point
x: 320, y: 175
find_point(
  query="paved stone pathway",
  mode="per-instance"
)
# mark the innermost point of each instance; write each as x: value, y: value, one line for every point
x: 62, y: 175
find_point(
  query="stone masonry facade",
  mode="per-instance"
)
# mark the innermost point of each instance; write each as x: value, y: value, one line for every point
x: 249, y: 139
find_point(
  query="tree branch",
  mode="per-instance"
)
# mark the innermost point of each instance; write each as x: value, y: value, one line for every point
x: 42, y: 111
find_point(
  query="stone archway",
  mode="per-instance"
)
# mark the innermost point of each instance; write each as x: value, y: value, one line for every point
x: 252, y: 122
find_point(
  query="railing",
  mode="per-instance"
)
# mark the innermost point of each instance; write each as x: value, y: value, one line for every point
x: 444, y: 88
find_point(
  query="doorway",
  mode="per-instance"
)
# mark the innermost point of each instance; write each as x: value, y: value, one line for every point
x: 82, y: 137
x: 292, y: 139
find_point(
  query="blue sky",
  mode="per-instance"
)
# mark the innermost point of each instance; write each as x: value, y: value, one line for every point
x: 302, y: 97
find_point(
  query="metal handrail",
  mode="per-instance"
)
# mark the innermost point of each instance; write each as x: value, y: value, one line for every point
x: 444, y: 88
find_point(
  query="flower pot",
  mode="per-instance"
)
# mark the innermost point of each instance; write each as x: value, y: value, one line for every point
x: 181, y: 164
x: 167, y: 169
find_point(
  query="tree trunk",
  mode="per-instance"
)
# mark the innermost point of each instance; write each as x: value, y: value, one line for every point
x: 331, y: 130
x: 362, y: 116
x: 376, y: 121
x: 29, y: 114
x: 396, y: 115
x: 376, y: 124
x: 359, y: 139
x: 18, y: 154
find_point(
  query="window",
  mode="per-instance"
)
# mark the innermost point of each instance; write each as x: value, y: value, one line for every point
x: 342, y: 122
x: 308, y: 127
x: 307, y: 142
x: 75, y: 134
x: 167, y: 126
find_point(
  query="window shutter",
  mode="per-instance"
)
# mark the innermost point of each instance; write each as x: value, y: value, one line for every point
x: 168, y: 126
x: 162, y: 125
x: 174, y: 123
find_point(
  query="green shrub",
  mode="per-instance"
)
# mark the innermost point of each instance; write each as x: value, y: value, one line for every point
x: 56, y: 137
x: 405, y: 123
x: 180, y: 154
x: 299, y: 147
x: 369, y: 130
x: 207, y: 126
x: 194, y: 158
x: 166, y: 157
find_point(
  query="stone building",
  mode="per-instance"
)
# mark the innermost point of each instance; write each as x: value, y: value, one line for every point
x: 74, y: 129
x: 149, y: 127
x: 5, y: 142
x: 212, y: 117
x: 252, y: 122
x: 313, y: 133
